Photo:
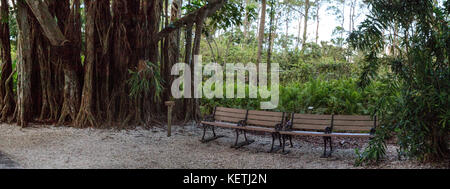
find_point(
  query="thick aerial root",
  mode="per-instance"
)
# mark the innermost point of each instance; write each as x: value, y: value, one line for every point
x: 84, y: 118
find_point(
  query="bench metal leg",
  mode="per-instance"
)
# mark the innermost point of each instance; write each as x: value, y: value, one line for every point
x: 245, y: 136
x: 284, y: 144
x: 277, y: 148
x: 290, y: 140
x: 325, y: 153
x: 246, y: 142
x: 279, y: 138
x: 273, y: 141
x: 214, y: 132
x: 204, y: 133
x: 214, y: 137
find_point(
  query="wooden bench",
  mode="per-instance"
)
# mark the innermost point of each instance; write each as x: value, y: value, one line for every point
x: 243, y: 121
x: 230, y: 118
x: 327, y: 126
x: 267, y: 122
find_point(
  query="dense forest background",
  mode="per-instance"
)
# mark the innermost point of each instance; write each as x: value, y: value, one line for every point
x: 107, y: 63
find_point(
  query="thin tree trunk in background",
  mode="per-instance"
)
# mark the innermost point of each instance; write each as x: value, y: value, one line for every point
x: 171, y: 51
x: 199, y: 22
x: 305, y: 26
x: 299, y: 32
x: 7, y: 101
x: 318, y: 20
x: 287, y: 24
x: 350, y: 27
x: 246, y: 23
x: 179, y: 105
x: 271, y: 34
x: 343, y: 17
x: 354, y: 4
x: 188, y: 102
x: 261, y: 32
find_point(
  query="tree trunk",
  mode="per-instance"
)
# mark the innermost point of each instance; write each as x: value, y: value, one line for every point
x: 85, y: 115
x: 318, y: 20
x: 7, y: 102
x: 49, y: 26
x: 246, y: 23
x: 261, y: 32
x: 196, y: 51
x: 24, y: 65
x: 70, y: 59
x: 299, y: 32
x: 305, y: 26
x: 271, y: 33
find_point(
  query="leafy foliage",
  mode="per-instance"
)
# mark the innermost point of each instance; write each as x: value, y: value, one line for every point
x: 340, y: 96
x: 145, y: 81
x: 420, y: 116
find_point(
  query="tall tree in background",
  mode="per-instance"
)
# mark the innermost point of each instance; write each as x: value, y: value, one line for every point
x: 261, y: 31
x: 318, y: 6
x: 305, y: 26
x: 246, y: 18
x: 271, y: 31
x: 300, y: 21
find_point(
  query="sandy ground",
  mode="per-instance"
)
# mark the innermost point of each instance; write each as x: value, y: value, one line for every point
x: 65, y: 147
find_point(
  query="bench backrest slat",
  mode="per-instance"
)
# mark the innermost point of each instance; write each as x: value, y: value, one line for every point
x: 231, y: 115
x: 311, y: 122
x: 354, y: 123
x: 264, y: 118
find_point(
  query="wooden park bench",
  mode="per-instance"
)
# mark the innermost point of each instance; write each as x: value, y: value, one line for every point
x: 328, y: 126
x: 243, y: 121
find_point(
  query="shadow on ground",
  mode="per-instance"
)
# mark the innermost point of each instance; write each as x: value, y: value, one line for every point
x: 6, y: 162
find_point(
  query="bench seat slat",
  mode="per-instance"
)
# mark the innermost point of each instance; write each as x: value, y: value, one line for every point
x: 309, y: 127
x: 265, y: 113
x: 312, y: 116
x: 230, y: 114
x: 304, y: 133
x: 352, y: 134
x: 222, y: 124
x: 351, y: 128
x: 352, y: 117
x: 353, y: 123
x: 313, y: 121
x: 227, y: 119
x: 263, y: 123
x: 265, y: 118
x: 232, y: 110
x: 261, y: 129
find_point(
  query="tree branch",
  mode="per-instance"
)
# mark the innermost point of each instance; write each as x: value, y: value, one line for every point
x: 47, y: 22
x: 211, y: 8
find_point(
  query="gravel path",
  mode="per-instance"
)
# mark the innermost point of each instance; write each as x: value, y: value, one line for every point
x: 65, y: 147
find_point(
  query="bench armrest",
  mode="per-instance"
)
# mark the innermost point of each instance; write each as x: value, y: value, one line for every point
x: 328, y: 130
x: 209, y: 118
x: 242, y: 123
x: 372, y: 131
x: 279, y: 127
x: 287, y: 126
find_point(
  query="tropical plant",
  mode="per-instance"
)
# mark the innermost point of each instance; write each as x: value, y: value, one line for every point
x: 420, y: 69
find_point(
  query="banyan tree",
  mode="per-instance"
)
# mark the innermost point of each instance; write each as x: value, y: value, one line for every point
x: 76, y: 59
